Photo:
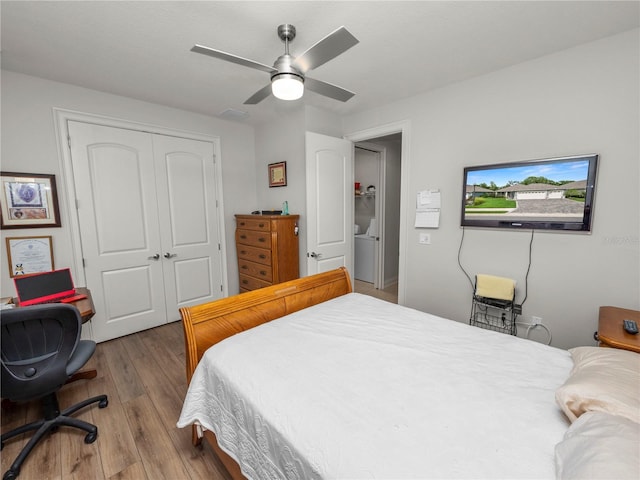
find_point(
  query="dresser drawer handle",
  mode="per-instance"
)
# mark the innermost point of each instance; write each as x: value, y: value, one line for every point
x: 243, y: 252
x: 245, y: 282
x: 262, y: 256
x: 244, y: 237
x: 263, y: 273
x: 261, y: 225
x: 244, y: 267
x: 262, y: 239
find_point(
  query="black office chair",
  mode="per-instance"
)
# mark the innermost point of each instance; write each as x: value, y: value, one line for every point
x: 41, y: 349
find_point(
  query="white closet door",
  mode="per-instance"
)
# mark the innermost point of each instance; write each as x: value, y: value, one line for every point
x: 118, y: 215
x: 191, y: 257
x: 148, y: 224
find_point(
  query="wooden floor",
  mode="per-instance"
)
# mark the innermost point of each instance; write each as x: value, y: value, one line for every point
x: 144, y: 377
x: 390, y: 294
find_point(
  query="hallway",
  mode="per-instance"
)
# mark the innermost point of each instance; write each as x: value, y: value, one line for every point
x: 390, y: 294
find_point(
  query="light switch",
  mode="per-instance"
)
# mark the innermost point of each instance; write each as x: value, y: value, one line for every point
x: 425, y: 239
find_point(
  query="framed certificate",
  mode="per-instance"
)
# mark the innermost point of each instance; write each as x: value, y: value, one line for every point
x: 28, y: 200
x: 29, y: 255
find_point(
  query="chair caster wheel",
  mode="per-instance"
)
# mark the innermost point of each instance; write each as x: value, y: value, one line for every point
x: 103, y: 403
x: 11, y: 474
x: 90, y: 437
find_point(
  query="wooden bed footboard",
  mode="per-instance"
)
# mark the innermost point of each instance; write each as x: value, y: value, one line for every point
x: 209, y: 323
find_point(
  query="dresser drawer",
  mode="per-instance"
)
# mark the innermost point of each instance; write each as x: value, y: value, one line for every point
x: 257, y: 270
x: 254, y: 254
x: 250, y: 283
x: 259, y: 224
x: 254, y: 237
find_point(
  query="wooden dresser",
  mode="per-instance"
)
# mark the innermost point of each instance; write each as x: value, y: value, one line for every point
x: 267, y: 247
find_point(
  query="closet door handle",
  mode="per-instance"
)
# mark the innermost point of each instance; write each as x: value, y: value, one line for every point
x: 170, y: 255
x: 154, y: 257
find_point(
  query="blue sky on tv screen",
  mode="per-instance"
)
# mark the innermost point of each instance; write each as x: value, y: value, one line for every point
x: 556, y: 171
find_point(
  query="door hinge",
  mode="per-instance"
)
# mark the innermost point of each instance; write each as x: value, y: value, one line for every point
x: 69, y: 141
x: 77, y: 204
x: 219, y: 247
x: 84, y: 263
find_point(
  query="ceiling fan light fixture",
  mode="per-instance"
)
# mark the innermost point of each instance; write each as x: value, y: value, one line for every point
x: 287, y: 86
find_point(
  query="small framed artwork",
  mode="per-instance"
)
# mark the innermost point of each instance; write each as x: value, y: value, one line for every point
x: 28, y: 200
x: 278, y: 174
x: 29, y: 255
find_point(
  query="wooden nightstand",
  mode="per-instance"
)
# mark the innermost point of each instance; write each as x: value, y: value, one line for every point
x: 610, y: 332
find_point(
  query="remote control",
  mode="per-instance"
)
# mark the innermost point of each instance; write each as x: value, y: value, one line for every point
x: 630, y: 327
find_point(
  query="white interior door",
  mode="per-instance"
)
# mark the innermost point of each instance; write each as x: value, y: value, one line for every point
x: 118, y: 215
x: 190, y: 250
x: 329, y: 167
x: 148, y: 225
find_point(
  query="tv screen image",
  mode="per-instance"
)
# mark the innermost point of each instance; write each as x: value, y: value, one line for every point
x: 550, y: 194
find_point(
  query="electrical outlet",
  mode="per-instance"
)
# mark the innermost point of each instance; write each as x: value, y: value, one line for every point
x: 425, y: 239
x: 536, y: 320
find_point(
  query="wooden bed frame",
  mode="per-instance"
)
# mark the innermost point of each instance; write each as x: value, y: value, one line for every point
x: 207, y: 324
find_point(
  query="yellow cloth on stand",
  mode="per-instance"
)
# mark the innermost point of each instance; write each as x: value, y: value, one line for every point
x: 489, y: 286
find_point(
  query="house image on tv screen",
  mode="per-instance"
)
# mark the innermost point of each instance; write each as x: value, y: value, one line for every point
x: 554, y: 194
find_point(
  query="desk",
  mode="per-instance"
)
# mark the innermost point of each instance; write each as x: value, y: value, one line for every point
x: 85, y: 306
x: 610, y: 331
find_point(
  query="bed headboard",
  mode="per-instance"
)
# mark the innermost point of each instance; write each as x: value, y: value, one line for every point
x: 207, y: 324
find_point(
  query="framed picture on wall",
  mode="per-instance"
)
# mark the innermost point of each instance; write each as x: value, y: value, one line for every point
x: 28, y: 200
x: 278, y: 174
x: 29, y: 255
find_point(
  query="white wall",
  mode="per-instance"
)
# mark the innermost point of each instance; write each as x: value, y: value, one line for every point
x: 581, y: 100
x: 29, y: 145
x: 284, y: 140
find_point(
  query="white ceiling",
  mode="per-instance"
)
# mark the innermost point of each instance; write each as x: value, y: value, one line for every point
x: 141, y: 49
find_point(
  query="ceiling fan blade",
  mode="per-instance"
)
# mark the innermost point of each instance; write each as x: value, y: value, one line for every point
x: 260, y: 95
x: 327, y: 89
x: 329, y: 47
x: 232, y: 58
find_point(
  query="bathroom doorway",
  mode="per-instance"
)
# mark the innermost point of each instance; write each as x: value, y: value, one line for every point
x: 377, y: 174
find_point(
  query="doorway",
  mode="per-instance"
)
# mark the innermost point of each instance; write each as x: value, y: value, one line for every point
x: 377, y: 174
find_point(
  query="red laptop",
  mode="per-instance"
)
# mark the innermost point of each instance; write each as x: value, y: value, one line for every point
x: 46, y: 287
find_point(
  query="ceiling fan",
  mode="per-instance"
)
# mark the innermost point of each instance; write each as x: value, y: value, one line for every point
x: 288, y: 73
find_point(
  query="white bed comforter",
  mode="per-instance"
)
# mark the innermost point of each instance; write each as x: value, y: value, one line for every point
x: 360, y: 388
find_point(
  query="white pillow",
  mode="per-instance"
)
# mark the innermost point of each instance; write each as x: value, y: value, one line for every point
x: 604, y: 380
x: 599, y: 446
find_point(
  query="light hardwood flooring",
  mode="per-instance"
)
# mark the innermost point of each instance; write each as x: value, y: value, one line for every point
x: 390, y: 294
x: 144, y: 377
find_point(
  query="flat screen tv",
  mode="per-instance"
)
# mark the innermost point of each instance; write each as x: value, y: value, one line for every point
x: 549, y: 194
